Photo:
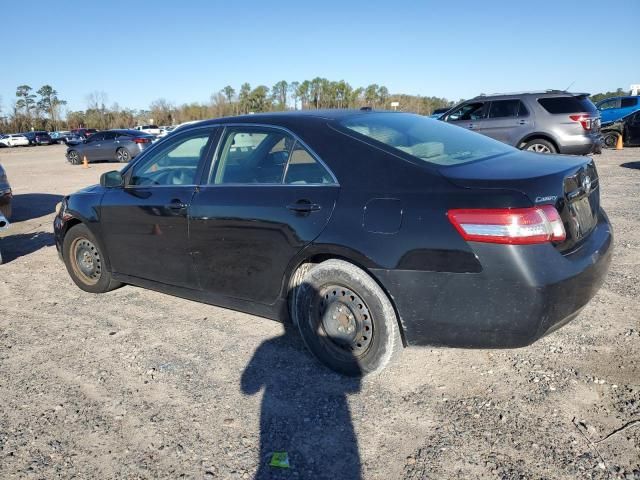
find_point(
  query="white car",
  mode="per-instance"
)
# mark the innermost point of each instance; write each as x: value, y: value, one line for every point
x: 14, y: 140
x: 149, y: 129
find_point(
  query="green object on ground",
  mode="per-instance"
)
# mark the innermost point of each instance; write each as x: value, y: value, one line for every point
x: 280, y: 460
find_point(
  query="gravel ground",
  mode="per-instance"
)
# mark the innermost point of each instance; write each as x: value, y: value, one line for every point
x: 136, y: 384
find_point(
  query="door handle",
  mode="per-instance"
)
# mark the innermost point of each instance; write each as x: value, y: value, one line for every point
x: 177, y: 205
x: 471, y: 126
x: 304, y: 206
x: 522, y: 122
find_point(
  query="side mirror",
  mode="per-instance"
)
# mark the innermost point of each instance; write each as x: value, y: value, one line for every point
x: 112, y: 179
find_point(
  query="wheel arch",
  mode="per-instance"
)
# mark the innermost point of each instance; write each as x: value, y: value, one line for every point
x: 317, y: 254
x: 541, y: 136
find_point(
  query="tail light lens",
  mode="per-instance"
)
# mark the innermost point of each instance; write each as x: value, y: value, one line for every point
x: 141, y: 140
x: 515, y: 226
x: 585, y: 120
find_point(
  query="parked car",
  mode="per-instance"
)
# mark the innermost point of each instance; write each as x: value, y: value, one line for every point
x: 83, y: 133
x: 616, y: 108
x: 437, y: 113
x: 39, y: 137
x: 148, y: 129
x: 14, y: 140
x: 627, y: 127
x: 444, y: 237
x: 545, y: 122
x: 60, y: 137
x: 118, y: 145
x: 6, y: 196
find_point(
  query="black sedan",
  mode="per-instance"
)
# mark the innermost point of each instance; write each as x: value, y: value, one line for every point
x: 370, y: 230
x: 6, y: 195
x: 627, y: 127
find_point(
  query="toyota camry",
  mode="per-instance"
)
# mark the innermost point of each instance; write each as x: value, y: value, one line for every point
x: 369, y: 230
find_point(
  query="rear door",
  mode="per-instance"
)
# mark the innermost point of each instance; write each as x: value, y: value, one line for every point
x: 145, y: 226
x: 507, y: 121
x: 266, y: 197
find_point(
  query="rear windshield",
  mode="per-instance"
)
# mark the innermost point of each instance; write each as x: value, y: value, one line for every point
x: 579, y: 104
x: 426, y: 139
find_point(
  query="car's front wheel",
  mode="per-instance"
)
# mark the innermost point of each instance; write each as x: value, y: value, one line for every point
x: 345, y: 319
x: 74, y: 157
x: 122, y: 155
x: 85, y: 261
x: 539, y: 145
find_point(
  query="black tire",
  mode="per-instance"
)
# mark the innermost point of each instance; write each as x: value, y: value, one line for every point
x: 539, y: 145
x: 610, y: 139
x: 84, y: 261
x: 123, y: 155
x: 345, y: 319
x: 74, y: 157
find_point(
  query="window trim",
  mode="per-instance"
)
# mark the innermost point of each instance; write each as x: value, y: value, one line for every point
x: 215, y: 159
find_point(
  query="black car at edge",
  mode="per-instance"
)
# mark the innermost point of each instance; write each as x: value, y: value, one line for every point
x: 370, y: 230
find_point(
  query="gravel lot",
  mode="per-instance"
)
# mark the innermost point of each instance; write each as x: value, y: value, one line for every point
x: 136, y: 384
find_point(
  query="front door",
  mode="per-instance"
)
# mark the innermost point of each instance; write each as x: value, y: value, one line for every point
x: 470, y: 115
x: 92, y: 147
x: 267, y: 197
x: 145, y: 226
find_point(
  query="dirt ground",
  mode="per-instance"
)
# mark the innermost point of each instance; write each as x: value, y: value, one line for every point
x: 137, y: 384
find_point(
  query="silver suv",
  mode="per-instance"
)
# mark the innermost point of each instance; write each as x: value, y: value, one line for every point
x: 546, y: 122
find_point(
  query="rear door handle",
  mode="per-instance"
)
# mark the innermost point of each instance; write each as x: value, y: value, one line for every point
x: 523, y: 122
x: 304, y: 207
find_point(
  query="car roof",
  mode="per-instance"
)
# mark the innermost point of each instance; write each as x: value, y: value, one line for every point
x: 127, y: 130
x: 536, y: 94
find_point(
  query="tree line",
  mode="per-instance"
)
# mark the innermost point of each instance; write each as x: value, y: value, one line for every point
x: 42, y: 109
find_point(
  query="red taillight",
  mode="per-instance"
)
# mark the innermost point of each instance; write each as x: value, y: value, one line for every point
x: 141, y: 140
x: 584, y: 119
x: 516, y: 226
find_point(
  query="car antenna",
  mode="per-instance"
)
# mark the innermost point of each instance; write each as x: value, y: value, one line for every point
x: 570, y: 85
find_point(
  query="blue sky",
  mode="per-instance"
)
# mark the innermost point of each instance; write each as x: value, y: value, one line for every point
x: 185, y: 50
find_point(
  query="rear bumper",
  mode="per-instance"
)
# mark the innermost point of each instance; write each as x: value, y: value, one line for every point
x: 579, y: 144
x: 522, y: 293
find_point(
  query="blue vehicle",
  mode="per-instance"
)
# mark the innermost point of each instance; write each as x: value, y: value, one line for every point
x: 615, y: 108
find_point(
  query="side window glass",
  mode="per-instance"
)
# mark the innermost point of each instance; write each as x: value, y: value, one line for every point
x: 303, y: 169
x: 522, y: 110
x: 469, y: 111
x: 628, y: 102
x: 253, y: 156
x: 609, y: 104
x: 96, y: 137
x: 109, y: 135
x: 174, y: 164
x: 504, y: 108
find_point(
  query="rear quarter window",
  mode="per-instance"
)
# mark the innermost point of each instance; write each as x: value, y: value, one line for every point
x: 569, y: 104
x: 629, y: 102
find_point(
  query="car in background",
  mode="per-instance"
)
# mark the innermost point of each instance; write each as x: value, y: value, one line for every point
x: 616, y: 108
x: 437, y: 113
x: 444, y: 237
x: 38, y: 137
x: 149, y: 129
x: 552, y: 121
x: 6, y: 195
x: 109, y: 145
x: 83, y: 132
x: 627, y: 127
x: 60, y: 136
x: 14, y: 140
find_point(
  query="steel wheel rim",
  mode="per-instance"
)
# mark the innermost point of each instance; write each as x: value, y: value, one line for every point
x: 85, y: 260
x: 539, y: 148
x: 345, y: 325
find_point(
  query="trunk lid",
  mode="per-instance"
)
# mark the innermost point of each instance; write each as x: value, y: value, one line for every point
x: 570, y: 183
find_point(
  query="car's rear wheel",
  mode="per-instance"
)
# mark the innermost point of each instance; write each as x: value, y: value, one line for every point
x: 610, y: 139
x: 74, y: 157
x: 6, y: 211
x: 345, y: 319
x: 85, y: 261
x: 122, y: 155
x: 540, y: 145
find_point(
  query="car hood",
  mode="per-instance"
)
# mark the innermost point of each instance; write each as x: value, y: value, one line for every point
x: 91, y: 189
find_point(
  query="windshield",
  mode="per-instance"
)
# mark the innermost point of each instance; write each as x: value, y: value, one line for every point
x: 426, y: 139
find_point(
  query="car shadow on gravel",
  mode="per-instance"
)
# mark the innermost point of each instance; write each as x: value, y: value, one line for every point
x: 27, y: 206
x: 634, y: 165
x: 19, y: 245
x: 304, y: 412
